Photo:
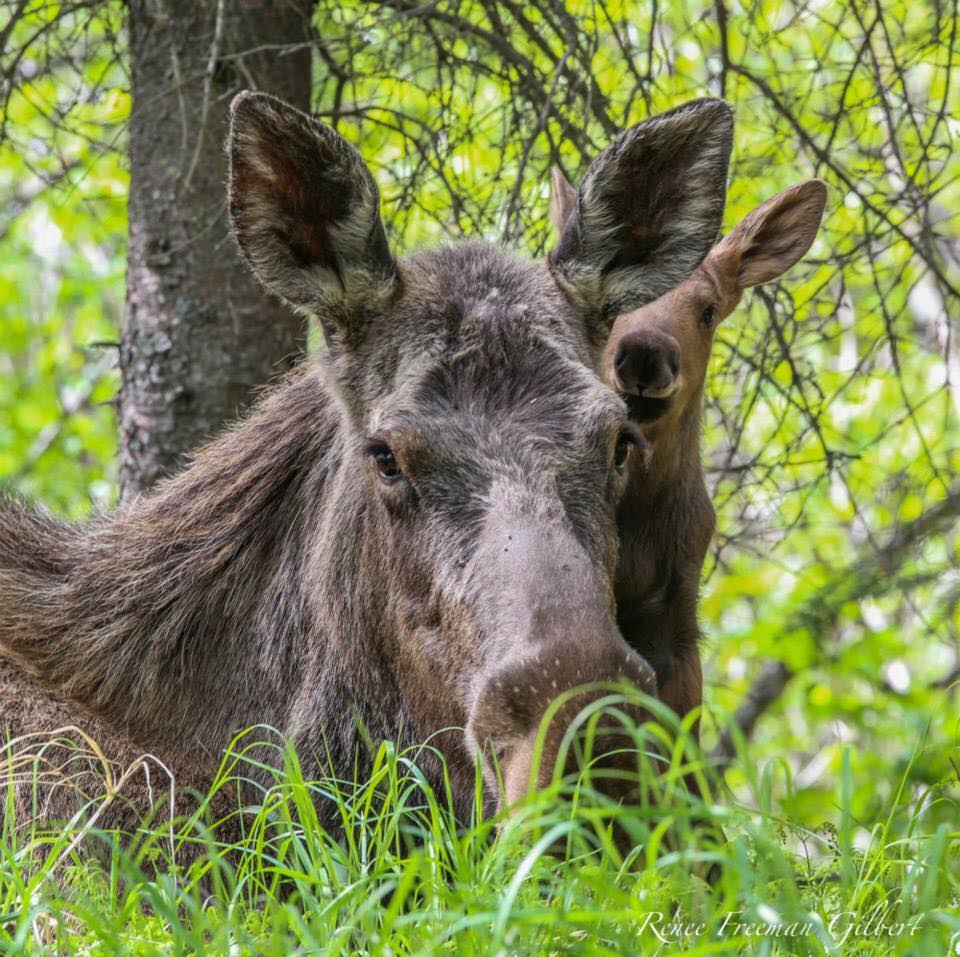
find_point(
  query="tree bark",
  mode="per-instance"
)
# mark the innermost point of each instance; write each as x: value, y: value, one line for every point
x: 199, y: 335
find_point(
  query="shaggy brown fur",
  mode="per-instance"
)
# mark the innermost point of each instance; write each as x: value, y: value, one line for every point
x: 417, y: 533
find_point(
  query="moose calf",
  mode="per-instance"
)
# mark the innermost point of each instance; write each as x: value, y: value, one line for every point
x: 419, y: 532
x: 657, y: 359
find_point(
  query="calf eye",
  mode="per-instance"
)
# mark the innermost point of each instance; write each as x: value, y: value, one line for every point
x: 385, y: 461
x: 709, y: 317
x: 622, y: 451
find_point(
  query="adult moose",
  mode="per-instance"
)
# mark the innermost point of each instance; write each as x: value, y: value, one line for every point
x: 657, y: 359
x: 417, y: 533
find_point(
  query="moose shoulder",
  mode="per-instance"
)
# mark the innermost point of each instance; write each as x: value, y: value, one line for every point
x: 417, y: 533
x: 656, y: 359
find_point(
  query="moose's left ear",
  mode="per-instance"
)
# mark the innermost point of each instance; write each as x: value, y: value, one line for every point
x: 306, y: 214
x: 647, y: 211
x: 563, y: 199
x: 769, y: 240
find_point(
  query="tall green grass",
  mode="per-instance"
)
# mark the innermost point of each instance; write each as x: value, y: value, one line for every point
x: 405, y: 877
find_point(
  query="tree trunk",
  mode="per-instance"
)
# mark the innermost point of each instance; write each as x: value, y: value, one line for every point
x: 199, y: 335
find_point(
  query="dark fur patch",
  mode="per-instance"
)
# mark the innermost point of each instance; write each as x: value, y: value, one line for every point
x: 648, y: 209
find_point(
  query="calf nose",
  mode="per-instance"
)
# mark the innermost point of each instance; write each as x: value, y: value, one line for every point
x: 647, y: 363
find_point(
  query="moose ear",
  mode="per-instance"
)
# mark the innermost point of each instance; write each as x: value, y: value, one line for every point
x: 647, y: 211
x: 563, y: 199
x: 305, y: 212
x: 768, y: 241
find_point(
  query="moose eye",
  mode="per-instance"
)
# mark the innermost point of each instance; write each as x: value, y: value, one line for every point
x: 708, y: 317
x: 622, y: 451
x: 385, y: 461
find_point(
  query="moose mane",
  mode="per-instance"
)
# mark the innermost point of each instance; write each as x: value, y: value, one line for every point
x: 193, y: 595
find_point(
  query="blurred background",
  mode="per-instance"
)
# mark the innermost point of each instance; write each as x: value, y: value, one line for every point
x: 830, y: 598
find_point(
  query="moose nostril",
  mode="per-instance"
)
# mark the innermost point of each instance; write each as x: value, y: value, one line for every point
x: 636, y: 367
x: 623, y: 363
x: 673, y: 361
x: 645, y: 367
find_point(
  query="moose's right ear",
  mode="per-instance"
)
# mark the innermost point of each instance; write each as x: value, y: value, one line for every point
x: 647, y: 211
x: 306, y: 214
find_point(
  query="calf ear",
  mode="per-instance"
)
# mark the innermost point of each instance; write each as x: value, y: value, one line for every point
x: 563, y: 199
x: 305, y: 212
x: 647, y: 211
x: 768, y: 241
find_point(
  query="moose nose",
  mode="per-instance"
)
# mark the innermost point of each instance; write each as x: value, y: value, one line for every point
x: 552, y: 631
x: 518, y: 696
x: 647, y: 363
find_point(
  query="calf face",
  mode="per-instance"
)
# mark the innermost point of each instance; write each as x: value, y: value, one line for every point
x: 657, y: 355
x: 657, y: 358
x: 482, y: 456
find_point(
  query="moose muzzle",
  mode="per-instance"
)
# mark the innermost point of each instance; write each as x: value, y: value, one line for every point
x: 551, y: 629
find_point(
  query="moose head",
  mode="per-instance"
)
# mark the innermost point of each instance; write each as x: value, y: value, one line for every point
x: 414, y: 534
x: 483, y: 456
x: 657, y: 355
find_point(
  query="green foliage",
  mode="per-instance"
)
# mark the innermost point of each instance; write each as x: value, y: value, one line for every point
x: 406, y: 878
x: 63, y: 187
